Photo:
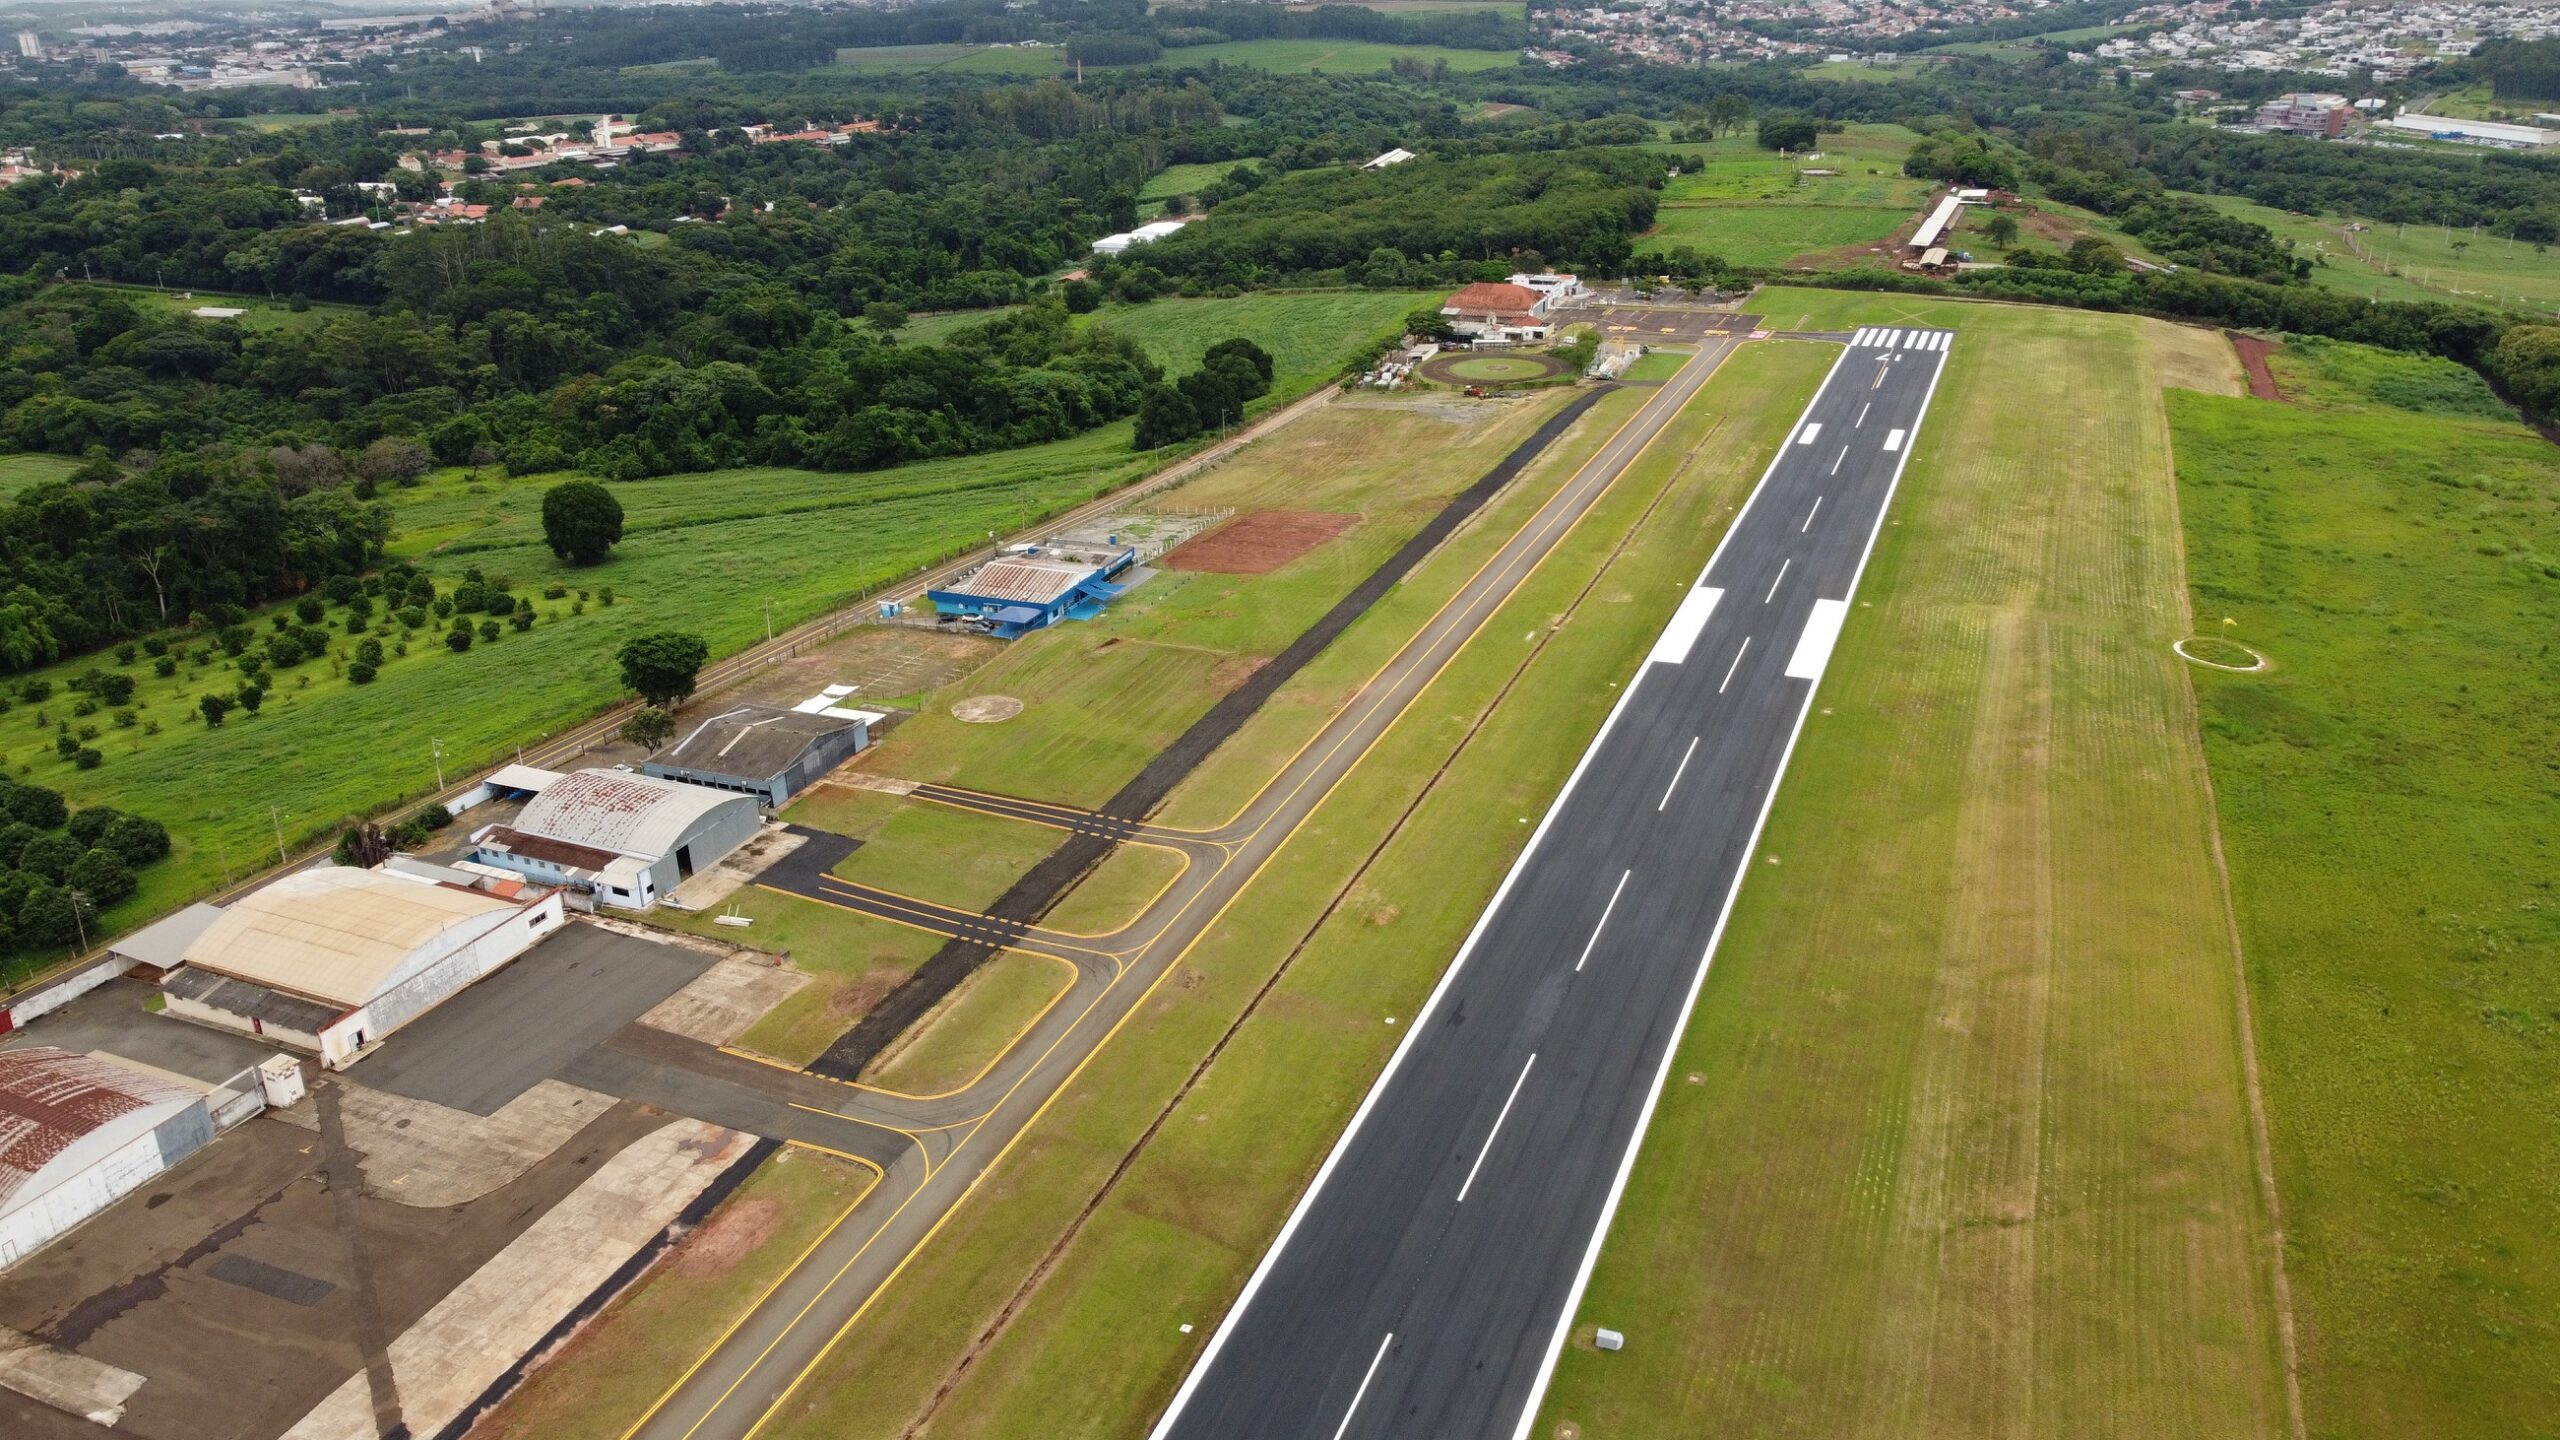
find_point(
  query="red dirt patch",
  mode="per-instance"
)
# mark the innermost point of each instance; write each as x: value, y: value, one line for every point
x: 2253, y: 358
x: 732, y: 1235
x: 1259, y: 543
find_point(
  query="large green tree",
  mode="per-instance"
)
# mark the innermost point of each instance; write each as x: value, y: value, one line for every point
x: 660, y: 668
x: 581, y: 520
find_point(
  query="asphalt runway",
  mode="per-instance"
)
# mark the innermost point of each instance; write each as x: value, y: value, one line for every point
x: 1426, y: 1283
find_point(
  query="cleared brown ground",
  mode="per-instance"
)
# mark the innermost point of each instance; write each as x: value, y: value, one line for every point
x: 1259, y: 543
x: 2253, y: 358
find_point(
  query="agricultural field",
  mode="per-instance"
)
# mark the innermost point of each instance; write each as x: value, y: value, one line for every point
x: 263, y: 313
x: 2388, y: 812
x: 1334, y: 57
x: 1310, y: 335
x: 2412, y: 262
x: 1362, y: 910
x: 1751, y: 206
x: 607, y: 1380
x: 323, y: 749
x: 1959, y: 1139
x: 1175, y: 180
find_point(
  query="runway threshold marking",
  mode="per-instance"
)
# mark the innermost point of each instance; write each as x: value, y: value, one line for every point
x: 1682, y: 768
x: 1809, y: 514
x: 1821, y: 632
x: 1728, y: 674
x: 1782, y: 577
x: 1605, y: 912
x: 1687, y: 623
x: 1489, y: 1137
x: 1345, y: 1427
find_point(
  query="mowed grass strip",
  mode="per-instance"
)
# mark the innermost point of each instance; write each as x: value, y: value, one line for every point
x: 1956, y: 1143
x: 1095, y: 1350
x: 2389, y: 813
x: 852, y: 960
x: 1752, y: 233
x: 941, y: 853
x: 623, y: 1358
x: 1116, y: 891
x: 973, y: 1025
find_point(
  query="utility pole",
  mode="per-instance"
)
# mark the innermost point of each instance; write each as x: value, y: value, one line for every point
x: 277, y: 820
x: 437, y: 746
x: 768, y: 619
x: 79, y: 920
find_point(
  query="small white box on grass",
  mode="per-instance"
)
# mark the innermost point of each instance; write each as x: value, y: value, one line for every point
x: 1610, y: 1340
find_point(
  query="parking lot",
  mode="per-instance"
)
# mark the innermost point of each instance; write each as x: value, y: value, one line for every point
x: 1660, y: 324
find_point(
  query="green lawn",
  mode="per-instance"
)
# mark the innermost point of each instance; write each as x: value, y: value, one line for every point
x: 621, y: 1360
x: 852, y: 960
x: 263, y: 313
x: 932, y: 852
x: 2388, y: 808
x: 1184, y: 179
x: 23, y: 472
x: 1956, y: 1141
x: 1096, y: 1350
x: 1335, y: 57
x: 974, y: 1026
x: 1114, y: 892
x: 1658, y: 365
x: 1750, y: 233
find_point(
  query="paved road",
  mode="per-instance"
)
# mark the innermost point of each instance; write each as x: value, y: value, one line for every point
x: 956, y: 1137
x: 1424, y: 1286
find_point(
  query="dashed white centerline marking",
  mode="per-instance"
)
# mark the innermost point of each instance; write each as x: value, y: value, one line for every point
x: 1345, y: 1427
x: 1605, y: 911
x: 1774, y: 584
x: 1683, y: 767
x: 1860, y: 422
x: 1462, y: 1199
x: 1837, y: 459
x: 1809, y: 514
x: 1728, y: 674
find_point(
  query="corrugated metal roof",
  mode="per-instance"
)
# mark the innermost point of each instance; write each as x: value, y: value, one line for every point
x: 543, y: 847
x: 244, y: 997
x: 752, y: 742
x: 163, y: 944
x: 1028, y: 580
x: 334, y: 934
x: 49, y: 1098
x: 617, y: 810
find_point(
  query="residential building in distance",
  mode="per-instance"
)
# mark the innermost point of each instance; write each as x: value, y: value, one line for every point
x: 2307, y: 112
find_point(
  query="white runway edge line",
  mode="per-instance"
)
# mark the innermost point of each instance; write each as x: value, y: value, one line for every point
x: 1449, y: 977
x: 1605, y: 912
x: 1490, y: 1135
x: 1689, y: 1005
x: 1372, y: 1373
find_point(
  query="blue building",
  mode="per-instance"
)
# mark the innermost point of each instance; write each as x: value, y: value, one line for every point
x: 1035, y: 586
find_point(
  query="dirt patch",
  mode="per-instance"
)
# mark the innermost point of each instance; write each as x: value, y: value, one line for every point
x: 987, y: 709
x: 2253, y: 359
x: 734, y: 1233
x: 1260, y: 543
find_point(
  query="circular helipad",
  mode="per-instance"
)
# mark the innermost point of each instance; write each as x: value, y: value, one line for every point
x: 2218, y: 653
x: 986, y: 709
x: 1496, y: 368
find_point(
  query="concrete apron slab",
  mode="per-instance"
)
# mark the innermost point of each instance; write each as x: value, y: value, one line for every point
x: 727, y: 998
x: 460, y: 1347
x: 420, y: 1153
x: 88, y: 1388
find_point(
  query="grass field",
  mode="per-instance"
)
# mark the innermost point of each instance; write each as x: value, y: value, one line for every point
x: 1103, y: 697
x: 1658, y: 365
x: 2388, y: 809
x: 2412, y: 262
x: 1957, y: 1142
x: 1115, y: 891
x: 1335, y: 57
x: 323, y: 749
x: 263, y: 314
x: 2336, y: 375
x: 852, y: 960
x: 933, y: 852
x: 623, y: 1357
x: 1184, y: 179
x: 953, y: 59
x: 1497, y: 368
x: 1755, y: 233
x: 976, y: 1024
x: 1095, y: 1349
x: 22, y: 472
x: 1310, y: 336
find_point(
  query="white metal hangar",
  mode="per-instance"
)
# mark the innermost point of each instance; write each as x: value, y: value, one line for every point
x: 77, y: 1132
x: 331, y: 960
x: 763, y: 750
x: 630, y: 839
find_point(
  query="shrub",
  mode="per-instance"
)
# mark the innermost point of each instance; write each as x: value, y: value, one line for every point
x: 102, y: 876
x: 35, y: 805
x: 310, y: 608
x: 435, y: 817
x: 126, y: 652
x: 92, y: 824
x: 36, y: 692
x: 360, y: 673
x: 458, y: 640
x: 87, y: 758
x: 165, y: 666
x: 368, y: 652
x: 50, y: 855
x: 489, y: 630
x: 214, y: 707
x: 251, y: 697
x: 139, y: 839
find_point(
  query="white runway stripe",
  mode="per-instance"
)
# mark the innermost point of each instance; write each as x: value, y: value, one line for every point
x: 1821, y: 632
x: 1892, y: 340
x: 1805, y: 437
x: 1861, y: 337
x: 1687, y: 623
